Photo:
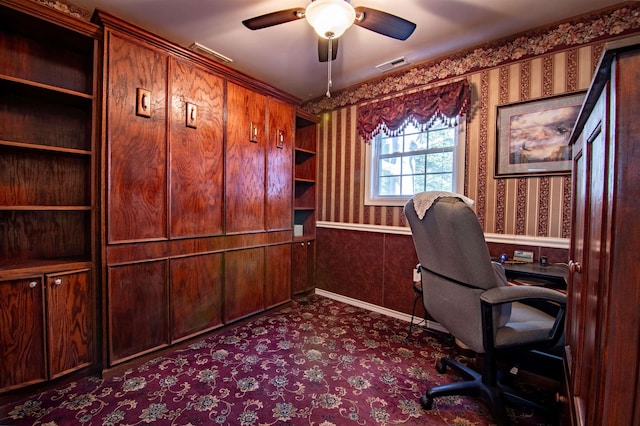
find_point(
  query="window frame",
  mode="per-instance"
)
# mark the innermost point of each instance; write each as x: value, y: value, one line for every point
x: 400, y: 200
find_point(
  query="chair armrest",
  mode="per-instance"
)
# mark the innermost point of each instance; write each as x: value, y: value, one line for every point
x: 500, y: 295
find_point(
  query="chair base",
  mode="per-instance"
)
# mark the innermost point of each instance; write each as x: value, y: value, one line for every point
x: 471, y: 386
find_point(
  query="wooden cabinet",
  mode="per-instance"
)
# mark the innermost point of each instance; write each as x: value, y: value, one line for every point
x: 303, y: 266
x: 602, y: 350
x: 46, y: 327
x: 48, y: 207
x: 197, y: 165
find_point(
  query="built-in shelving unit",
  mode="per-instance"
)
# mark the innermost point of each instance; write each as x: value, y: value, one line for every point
x: 305, y: 174
x: 47, y: 186
x: 304, y: 203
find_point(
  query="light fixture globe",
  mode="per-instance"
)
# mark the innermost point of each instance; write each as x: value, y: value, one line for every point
x: 330, y: 18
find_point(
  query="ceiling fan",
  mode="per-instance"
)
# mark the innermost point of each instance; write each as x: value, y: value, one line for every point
x: 331, y: 18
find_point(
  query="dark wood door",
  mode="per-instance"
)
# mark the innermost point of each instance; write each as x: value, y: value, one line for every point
x: 197, y: 152
x: 136, y: 143
x: 279, y: 201
x: 22, y: 339
x: 244, y: 282
x: 70, y: 323
x: 277, y: 279
x: 196, y: 294
x: 582, y: 314
x: 138, y: 309
x: 245, y: 160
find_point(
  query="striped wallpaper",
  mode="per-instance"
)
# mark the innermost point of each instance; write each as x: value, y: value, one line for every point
x: 537, y: 207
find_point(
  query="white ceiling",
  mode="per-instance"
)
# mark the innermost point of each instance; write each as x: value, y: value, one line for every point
x: 286, y: 57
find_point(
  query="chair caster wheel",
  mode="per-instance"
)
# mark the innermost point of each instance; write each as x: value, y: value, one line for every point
x: 440, y: 367
x: 426, y: 402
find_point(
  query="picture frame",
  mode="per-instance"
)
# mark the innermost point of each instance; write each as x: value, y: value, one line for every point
x: 532, y: 136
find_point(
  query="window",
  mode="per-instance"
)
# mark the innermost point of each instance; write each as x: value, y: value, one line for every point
x: 414, y: 161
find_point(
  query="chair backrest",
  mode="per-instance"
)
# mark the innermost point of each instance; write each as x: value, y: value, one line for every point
x: 456, y: 264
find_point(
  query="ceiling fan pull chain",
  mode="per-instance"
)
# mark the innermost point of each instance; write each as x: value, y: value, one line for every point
x: 329, y: 56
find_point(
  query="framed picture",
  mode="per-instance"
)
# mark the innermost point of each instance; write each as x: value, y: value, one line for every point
x: 533, y: 136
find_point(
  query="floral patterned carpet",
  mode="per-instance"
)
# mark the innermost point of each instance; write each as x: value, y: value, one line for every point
x: 315, y: 362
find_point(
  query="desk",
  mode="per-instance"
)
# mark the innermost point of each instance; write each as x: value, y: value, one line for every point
x: 554, y: 276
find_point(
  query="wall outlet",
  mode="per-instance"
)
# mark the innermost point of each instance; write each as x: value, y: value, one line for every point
x: 417, y: 277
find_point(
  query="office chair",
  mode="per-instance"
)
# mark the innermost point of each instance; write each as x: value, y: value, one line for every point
x: 468, y: 294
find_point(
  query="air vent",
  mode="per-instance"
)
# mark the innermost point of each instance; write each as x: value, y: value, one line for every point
x: 394, y: 63
x: 197, y: 47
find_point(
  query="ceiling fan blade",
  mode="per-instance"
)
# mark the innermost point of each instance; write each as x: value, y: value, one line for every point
x: 273, y: 18
x: 323, y: 49
x: 384, y: 23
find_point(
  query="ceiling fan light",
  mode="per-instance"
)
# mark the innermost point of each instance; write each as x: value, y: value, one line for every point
x: 330, y: 18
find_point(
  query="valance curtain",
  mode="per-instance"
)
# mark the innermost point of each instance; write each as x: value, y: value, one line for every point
x: 422, y: 108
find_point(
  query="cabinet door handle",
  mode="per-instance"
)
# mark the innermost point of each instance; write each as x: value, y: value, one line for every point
x: 575, y: 267
x: 57, y: 281
x: 33, y: 284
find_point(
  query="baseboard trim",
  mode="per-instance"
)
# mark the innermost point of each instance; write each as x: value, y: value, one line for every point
x: 432, y: 325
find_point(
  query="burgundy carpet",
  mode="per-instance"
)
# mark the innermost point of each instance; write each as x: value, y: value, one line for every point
x: 315, y: 362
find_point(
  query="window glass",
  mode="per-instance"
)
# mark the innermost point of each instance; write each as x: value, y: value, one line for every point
x: 414, y: 161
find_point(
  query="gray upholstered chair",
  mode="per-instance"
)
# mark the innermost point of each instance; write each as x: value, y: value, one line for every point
x: 467, y: 293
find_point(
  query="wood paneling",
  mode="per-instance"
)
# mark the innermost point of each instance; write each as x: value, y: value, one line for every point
x: 351, y: 264
x: 277, y: 275
x: 244, y: 283
x: 196, y: 294
x: 196, y: 153
x: 70, y: 321
x: 138, y: 309
x: 279, y: 166
x: 137, y: 146
x: 22, y: 333
x: 245, y: 160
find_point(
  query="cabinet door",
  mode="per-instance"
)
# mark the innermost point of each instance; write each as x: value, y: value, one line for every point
x: 303, y: 266
x: 278, y: 275
x: 22, y: 340
x: 244, y: 283
x: 136, y: 141
x: 245, y: 167
x: 197, y: 152
x: 279, y: 166
x: 138, y: 309
x: 70, y: 323
x: 196, y: 294
x: 311, y: 265
x: 298, y: 267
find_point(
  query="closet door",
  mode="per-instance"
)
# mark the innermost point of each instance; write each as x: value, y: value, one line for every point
x: 245, y: 161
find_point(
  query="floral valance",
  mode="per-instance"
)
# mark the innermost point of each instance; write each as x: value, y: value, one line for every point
x: 421, y: 108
